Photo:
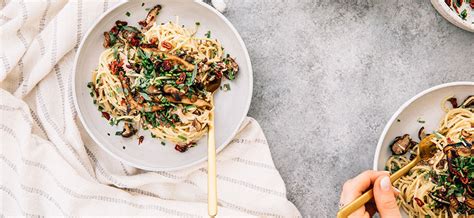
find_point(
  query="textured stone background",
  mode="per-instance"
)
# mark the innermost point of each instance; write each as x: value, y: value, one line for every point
x: 329, y: 74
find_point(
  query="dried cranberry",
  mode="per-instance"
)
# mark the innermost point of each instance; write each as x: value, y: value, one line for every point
x: 115, y: 66
x: 106, y: 115
x: 134, y: 41
x: 181, y: 78
x: 448, y: 2
x: 153, y: 40
x: 419, y: 202
x: 140, y: 139
x: 166, y: 45
x: 472, y: 4
x: 180, y: 149
x: 166, y: 65
x: 114, y: 30
x: 218, y: 74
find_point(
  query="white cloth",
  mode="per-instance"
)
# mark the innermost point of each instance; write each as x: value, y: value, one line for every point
x: 50, y: 166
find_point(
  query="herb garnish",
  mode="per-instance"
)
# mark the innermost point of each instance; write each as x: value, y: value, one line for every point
x: 419, y: 120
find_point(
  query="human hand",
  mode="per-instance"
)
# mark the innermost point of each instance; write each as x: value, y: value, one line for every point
x: 384, y: 194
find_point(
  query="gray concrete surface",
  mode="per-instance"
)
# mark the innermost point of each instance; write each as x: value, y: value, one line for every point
x: 328, y: 76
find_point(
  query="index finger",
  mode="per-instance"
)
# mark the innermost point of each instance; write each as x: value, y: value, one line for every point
x: 362, y: 182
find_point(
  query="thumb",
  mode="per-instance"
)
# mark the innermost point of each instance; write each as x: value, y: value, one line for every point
x: 385, y: 198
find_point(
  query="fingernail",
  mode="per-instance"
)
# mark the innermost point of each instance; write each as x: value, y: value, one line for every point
x: 396, y: 190
x: 385, y: 184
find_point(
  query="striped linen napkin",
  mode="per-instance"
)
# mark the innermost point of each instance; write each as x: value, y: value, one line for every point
x: 50, y: 166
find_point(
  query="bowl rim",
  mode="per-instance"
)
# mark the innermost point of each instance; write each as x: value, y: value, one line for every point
x: 147, y: 167
x: 452, y: 17
x: 403, y: 107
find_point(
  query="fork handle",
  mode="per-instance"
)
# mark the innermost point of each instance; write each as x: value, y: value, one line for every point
x: 364, y: 198
x: 211, y: 165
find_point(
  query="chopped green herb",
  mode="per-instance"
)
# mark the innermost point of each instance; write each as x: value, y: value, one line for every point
x: 163, y: 143
x: 189, y: 107
x: 191, y: 81
x: 226, y: 87
x: 128, y: 14
x: 116, y: 57
x: 113, y: 38
x: 208, y: 34
x: 143, y: 3
x: 419, y: 120
x: 182, y: 137
x: 89, y: 85
x: 398, y: 120
x: 145, y: 96
x: 197, y: 23
x: 147, y: 9
x: 463, y: 14
x: 131, y: 29
x: 118, y: 133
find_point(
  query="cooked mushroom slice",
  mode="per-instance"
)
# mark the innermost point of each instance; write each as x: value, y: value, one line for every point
x: 463, y: 151
x: 421, y: 133
x: 128, y: 130
x: 106, y: 40
x: 453, y: 101
x: 213, y: 85
x: 454, y: 202
x: 469, y: 102
x: 448, y: 148
x: 469, y: 201
x: 153, y: 90
x: 173, y: 91
x: 150, y: 18
x: 197, y: 125
x: 186, y: 100
x: 170, y: 89
x: 401, y: 144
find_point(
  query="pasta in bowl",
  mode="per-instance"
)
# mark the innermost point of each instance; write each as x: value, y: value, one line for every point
x: 442, y: 185
x: 157, y: 77
x: 144, y: 98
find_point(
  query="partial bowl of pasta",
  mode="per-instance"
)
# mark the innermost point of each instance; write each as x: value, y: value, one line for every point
x: 458, y: 12
x: 442, y: 185
x: 143, y: 79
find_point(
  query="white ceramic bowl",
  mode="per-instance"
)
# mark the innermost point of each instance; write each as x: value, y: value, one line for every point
x: 425, y: 106
x: 231, y: 106
x: 453, y: 17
